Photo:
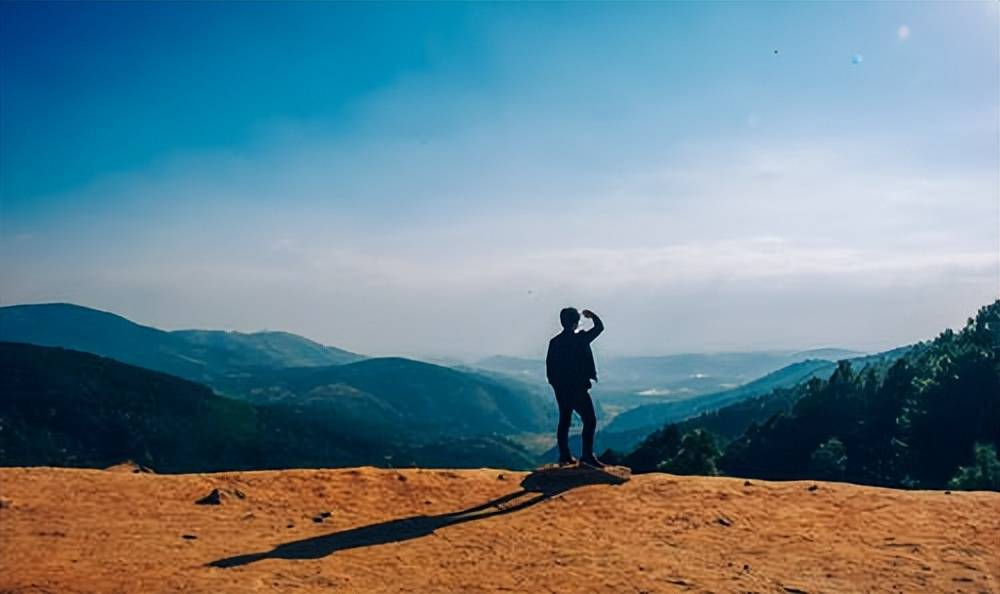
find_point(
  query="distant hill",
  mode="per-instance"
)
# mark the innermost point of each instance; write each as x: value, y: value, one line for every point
x: 729, y: 422
x: 830, y: 354
x: 653, y: 416
x: 684, y: 375
x: 193, y: 354
x: 385, y: 396
x: 526, y: 369
x: 649, y: 417
x: 630, y: 428
x: 630, y: 382
x: 401, y: 395
x: 67, y: 408
x: 926, y: 416
x: 268, y: 349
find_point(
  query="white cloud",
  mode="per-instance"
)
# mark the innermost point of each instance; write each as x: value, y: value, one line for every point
x: 397, y: 243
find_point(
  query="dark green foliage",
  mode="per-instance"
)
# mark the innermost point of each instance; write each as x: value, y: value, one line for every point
x: 666, y: 450
x: 660, y: 446
x: 725, y: 424
x: 908, y: 419
x: 913, y: 424
x: 732, y: 421
x: 697, y: 455
x: 829, y: 461
x: 982, y: 475
x: 65, y: 408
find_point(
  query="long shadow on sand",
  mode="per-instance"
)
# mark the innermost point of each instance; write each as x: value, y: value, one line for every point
x: 535, y: 488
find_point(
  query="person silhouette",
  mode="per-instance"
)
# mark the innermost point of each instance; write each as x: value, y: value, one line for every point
x: 569, y: 367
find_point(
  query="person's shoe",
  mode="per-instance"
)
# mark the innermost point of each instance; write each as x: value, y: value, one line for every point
x: 567, y: 460
x: 592, y: 461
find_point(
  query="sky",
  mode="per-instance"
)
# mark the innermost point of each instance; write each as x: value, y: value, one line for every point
x: 438, y: 180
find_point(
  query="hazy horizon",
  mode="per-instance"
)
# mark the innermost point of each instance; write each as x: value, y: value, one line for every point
x: 445, y: 357
x: 438, y: 180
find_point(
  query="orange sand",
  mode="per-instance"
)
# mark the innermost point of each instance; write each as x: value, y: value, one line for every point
x: 66, y: 531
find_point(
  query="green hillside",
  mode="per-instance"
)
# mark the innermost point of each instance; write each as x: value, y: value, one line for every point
x: 66, y: 408
x: 929, y: 417
x: 385, y: 396
x: 651, y: 416
x: 394, y: 394
x: 199, y: 355
x: 268, y: 349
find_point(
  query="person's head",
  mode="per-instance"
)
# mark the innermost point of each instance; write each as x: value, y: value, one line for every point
x: 569, y: 318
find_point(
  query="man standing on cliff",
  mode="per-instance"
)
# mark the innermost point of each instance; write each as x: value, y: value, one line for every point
x: 569, y: 366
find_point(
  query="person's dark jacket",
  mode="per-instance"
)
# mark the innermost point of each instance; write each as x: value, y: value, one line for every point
x: 569, y: 363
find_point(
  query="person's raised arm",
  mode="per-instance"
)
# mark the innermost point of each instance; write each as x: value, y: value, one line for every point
x: 594, y: 332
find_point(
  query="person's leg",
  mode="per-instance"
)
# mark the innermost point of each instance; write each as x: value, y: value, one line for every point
x: 562, y: 430
x: 585, y: 408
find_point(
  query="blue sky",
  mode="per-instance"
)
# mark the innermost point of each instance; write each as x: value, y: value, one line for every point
x: 438, y: 179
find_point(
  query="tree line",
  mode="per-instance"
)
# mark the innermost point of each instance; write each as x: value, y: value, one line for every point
x: 929, y: 419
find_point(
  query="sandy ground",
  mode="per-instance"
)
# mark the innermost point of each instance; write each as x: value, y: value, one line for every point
x: 369, y: 530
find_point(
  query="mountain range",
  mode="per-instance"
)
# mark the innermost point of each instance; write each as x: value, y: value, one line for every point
x: 355, y: 410
x: 198, y: 400
x: 649, y: 417
x: 61, y: 407
x: 193, y: 354
x: 629, y: 382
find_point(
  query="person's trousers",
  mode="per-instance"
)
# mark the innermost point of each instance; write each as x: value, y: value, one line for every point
x: 577, y: 400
